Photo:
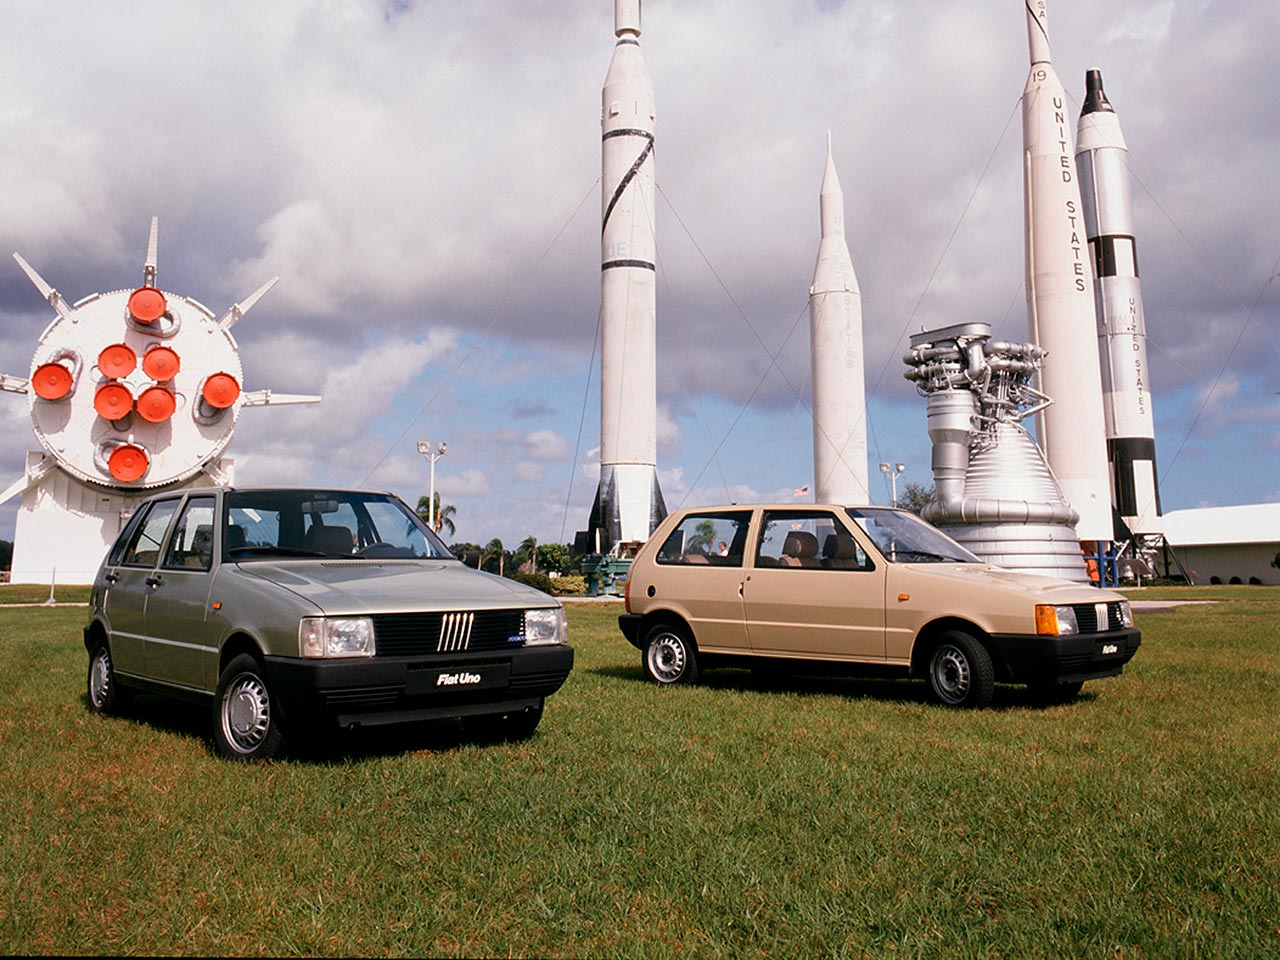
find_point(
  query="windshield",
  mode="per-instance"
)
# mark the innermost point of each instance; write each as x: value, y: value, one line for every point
x: 318, y: 523
x: 905, y: 538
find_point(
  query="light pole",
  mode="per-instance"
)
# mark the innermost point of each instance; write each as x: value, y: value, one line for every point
x: 424, y: 448
x: 891, y: 471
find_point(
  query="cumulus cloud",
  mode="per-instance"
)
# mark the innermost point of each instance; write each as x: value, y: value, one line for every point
x: 422, y: 177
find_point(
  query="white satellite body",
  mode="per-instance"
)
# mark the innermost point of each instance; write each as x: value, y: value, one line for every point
x: 131, y: 392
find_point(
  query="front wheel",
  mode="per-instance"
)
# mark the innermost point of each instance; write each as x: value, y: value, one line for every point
x: 669, y: 656
x: 105, y: 694
x: 246, y: 721
x: 960, y: 672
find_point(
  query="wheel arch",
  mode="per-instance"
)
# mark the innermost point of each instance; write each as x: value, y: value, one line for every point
x: 237, y: 643
x: 928, y: 636
x: 670, y: 618
x: 96, y: 633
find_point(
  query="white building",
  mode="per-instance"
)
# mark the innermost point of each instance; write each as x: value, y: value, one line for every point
x: 1226, y: 542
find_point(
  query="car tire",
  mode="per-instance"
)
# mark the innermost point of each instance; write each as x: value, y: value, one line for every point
x: 499, y: 727
x: 246, y: 717
x: 1051, y: 692
x: 669, y: 656
x: 960, y: 672
x: 103, y: 689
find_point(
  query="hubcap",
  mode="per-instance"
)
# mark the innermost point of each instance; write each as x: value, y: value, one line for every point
x: 100, y: 678
x: 667, y: 658
x: 951, y: 673
x: 246, y: 713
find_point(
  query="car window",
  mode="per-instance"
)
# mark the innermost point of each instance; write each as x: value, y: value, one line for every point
x: 305, y: 523
x: 126, y: 536
x: 718, y: 539
x: 191, y: 546
x: 905, y: 538
x: 144, y: 547
x: 809, y: 540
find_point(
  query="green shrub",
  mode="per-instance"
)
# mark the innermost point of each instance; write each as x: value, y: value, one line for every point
x: 571, y: 586
x: 539, y: 581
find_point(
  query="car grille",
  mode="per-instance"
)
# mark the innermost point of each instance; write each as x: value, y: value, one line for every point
x: 422, y: 634
x: 1087, y: 617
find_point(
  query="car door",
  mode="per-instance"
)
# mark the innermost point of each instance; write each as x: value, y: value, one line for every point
x: 703, y: 561
x: 813, y: 589
x: 128, y: 587
x: 179, y: 650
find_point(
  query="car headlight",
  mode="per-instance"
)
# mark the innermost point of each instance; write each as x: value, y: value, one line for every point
x: 336, y: 637
x: 1126, y: 614
x: 1056, y: 620
x: 545, y: 626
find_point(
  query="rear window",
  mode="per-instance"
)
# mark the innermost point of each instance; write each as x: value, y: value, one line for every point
x: 715, y: 539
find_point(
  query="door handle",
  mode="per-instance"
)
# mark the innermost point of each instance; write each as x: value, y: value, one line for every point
x: 154, y: 581
x: 111, y: 577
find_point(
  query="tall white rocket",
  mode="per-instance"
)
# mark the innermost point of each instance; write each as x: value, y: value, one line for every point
x: 835, y: 335
x: 1102, y: 157
x: 1060, y: 292
x: 628, y: 502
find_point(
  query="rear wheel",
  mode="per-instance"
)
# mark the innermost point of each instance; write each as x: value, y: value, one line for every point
x: 105, y: 694
x: 669, y: 655
x: 246, y: 721
x: 511, y: 727
x: 960, y: 672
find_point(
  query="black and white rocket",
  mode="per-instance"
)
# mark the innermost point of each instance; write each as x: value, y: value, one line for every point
x: 1060, y: 293
x: 835, y: 332
x: 628, y: 504
x: 1103, y: 160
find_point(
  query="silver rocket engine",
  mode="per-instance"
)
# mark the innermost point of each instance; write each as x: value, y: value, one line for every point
x: 1102, y: 158
x: 628, y: 503
x: 993, y: 490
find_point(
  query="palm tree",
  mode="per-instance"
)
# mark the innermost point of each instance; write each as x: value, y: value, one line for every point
x: 444, y: 514
x: 493, y: 550
x: 529, y: 548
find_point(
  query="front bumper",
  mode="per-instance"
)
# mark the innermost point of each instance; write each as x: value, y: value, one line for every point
x: 400, y: 689
x: 1031, y: 658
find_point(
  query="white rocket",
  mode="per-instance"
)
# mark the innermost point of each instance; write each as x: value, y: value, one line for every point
x: 628, y: 503
x: 1103, y: 160
x: 1060, y: 293
x: 835, y: 333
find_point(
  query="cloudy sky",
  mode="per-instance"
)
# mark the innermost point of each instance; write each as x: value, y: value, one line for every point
x: 422, y: 175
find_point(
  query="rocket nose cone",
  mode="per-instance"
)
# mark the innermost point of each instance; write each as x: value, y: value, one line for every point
x: 1095, y: 98
x: 1038, y: 31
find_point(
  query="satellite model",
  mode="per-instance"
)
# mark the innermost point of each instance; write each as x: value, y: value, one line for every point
x: 131, y: 392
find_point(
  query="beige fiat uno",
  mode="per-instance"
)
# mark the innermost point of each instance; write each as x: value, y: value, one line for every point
x: 820, y: 587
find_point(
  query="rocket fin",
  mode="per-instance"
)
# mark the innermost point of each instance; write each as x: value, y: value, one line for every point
x: 153, y: 247
x: 264, y: 398
x: 46, y: 290
x: 15, y: 488
x: 238, y: 310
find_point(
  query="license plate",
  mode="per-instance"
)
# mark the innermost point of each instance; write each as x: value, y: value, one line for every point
x: 1109, y: 649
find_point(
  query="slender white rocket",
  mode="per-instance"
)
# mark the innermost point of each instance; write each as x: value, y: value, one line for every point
x: 1102, y: 157
x: 628, y: 503
x: 835, y: 335
x: 1060, y: 292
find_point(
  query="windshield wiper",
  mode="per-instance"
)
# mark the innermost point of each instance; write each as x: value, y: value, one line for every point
x: 927, y: 556
x: 266, y: 551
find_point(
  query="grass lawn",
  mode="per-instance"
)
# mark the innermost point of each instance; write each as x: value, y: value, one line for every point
x: 827, y: 817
